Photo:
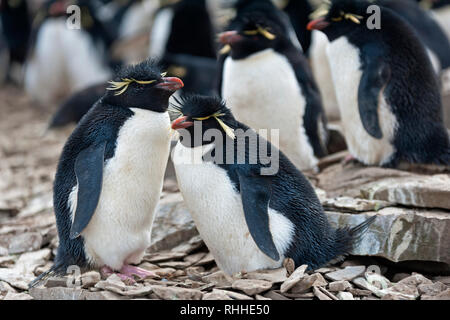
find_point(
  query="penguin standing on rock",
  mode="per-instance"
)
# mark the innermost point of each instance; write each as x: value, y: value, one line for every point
x: 249, y: 218
x: 268, y: 83
x: 386, y: 88
x: 110, y: 175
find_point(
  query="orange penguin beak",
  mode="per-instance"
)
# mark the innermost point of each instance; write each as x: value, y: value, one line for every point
x: 230, y: 37
x: 181, y: 123
x: 170, y: 84
x: 318, y: 24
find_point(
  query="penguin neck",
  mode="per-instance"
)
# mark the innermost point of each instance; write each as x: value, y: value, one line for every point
x: 158, y: 104
x: 242, y: 52
x: 335, y: 32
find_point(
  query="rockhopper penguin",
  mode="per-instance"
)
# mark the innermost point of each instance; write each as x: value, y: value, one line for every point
x: 386, y: 88
x: 249, y: 220
x: 268, y: 83
x: 110, y: 175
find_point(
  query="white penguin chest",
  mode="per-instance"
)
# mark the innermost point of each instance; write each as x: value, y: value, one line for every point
x: 346, y: 71
x: 216, y: 208
x: 132, y: 182
x: 263, y: 92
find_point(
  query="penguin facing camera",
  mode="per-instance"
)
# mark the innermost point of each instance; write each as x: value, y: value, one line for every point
x: 110, y: 175
x: 250, y: 220
x: 268, y: 83
x: 387, y: 91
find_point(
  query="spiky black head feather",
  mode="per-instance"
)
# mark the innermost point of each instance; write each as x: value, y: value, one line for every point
x: 260, y: 25
x: 141, y: 86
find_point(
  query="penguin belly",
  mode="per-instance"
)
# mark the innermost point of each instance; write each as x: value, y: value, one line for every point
x: 120, y: 229
x: 346, y: 71
x: 216, y: 208
x: 263, y: 93
x: 322, y: 74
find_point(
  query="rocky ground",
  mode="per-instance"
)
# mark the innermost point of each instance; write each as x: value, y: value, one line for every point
x: 404, y: 255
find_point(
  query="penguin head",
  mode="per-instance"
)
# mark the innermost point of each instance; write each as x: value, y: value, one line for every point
x: 209, y: 112
x: 143, y: 86
x: 341, y: 17
x: 258, y: 25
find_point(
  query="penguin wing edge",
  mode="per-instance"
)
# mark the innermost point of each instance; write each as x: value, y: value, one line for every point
x: 255, y: 194
x: 89, y: 172
x: 372, y: 84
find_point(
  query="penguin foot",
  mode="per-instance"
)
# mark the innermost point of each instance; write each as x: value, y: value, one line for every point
x: 127, y: 279
x: 136, y: 271
x: 348, y: 159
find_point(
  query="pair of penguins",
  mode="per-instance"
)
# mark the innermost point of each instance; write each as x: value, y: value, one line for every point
x: 110, y: 177
x: 103, y: 196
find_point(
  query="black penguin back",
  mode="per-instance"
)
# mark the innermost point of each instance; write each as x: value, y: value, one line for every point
x: 426, y: 27
x: 299, y: 12
x: 412, y: 90
x: 192, y: 31
x: 16, y: 27
x: 77, y: 105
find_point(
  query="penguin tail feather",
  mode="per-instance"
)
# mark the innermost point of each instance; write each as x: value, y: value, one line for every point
x: 55, y: 270
x: 349, y: 238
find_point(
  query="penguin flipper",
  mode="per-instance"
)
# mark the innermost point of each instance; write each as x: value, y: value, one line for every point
x: 372, y: 84
x: 89, y: 172
x: 255, y: 194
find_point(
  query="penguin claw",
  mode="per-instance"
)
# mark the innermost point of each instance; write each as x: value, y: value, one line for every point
x: 127, y: 279
x: 136, y: 271
x: 348, y: 158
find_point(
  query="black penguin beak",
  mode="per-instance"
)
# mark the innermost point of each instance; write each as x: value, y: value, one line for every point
x: 318, y: 24
x: 230, y: 37
x: 170, y: 84
x: 181, y: 123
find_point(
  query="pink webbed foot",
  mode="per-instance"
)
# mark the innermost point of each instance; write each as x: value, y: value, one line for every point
x: 136, y: 271
x: 348, y: 158
x: 107, y: 271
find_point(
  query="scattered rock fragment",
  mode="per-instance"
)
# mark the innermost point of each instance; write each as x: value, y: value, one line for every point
x: 275, y: 296
x: 216, y: 295
x: 90, y: 279
x: 431, y: 289
x: 17, y: 296
x: 219, y: 278
x: 294, y: 278
x: 251, y: 286
x: 309, y: 281
x: 345, y: 296
x: 348, y: 273
x: 57, y: 293
x: 174, y: 293
x: 25, y: 242
x: 444, y: 295
x: 272, y: 275
x: 337, y: 286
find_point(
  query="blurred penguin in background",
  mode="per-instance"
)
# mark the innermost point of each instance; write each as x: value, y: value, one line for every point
x: 15, y: 24
x: 64, y: 60
x: 428, y: 30
x: 267, y: 81
x: 182, y: 38
x: 440, y: 10
x: 388, y: 93
x: 298, y: 12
